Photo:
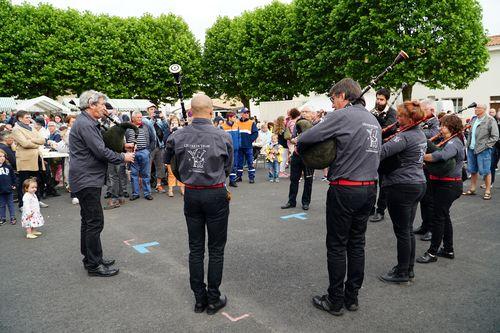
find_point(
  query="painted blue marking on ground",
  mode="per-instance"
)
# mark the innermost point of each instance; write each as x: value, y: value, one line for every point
x: 143, y: 248
x: 300, y: 216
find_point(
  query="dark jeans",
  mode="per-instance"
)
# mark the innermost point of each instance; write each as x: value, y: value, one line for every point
x: 7, y: 200
x: 495, y: 157
x: 22, y: 176
x: 140, y: 168
x: 116, y: 174
x: 444, y: 193
x: 347, y: 211
x: 92, y: 225
x: 296, y: 169
x: 402, y: 200
x: 427, y: 206
x: 206, y: 209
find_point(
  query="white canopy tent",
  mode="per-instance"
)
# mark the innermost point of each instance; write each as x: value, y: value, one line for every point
x: 43, y: 104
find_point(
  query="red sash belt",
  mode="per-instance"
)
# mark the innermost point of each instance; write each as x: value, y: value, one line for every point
x: 346, y: 182
x: 445, y: 179
x: 204, y: 187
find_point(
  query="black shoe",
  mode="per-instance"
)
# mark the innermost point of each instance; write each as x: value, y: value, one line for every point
x: 395, y: 276
x: 411, y: 272
x: 103, y: 271
x: 251, y: 181
x: 377, y: 217
x: 427, y: 236
x: 288, y: 205
x: 107, y: 195
x: 134, y: 197
x: 3, y: 221
x: 200, y: 306
x: 148, y: 197
x: 305, y: 207
x: 238, y: 179
x: 108, y: 262
x: 442, y: 253
x: 126, y: 195
x: 53, y: 194
x: 233, y: 184
x: 427, y: 258
x: 351, y: 302
x: 214, y: 307
x: 324, y: 303
x: 420, y: 231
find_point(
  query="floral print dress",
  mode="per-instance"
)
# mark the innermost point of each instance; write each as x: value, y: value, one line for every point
x: 31, y: 218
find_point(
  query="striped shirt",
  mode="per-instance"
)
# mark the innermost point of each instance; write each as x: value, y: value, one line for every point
x: 142, y: 139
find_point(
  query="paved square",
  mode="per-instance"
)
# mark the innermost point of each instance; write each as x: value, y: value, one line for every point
x: 273, y: 266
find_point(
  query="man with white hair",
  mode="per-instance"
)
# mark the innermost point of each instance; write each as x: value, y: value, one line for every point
x: 480, y: 141
x: 297, y: 166
x: 88, y: 163
x: 141, y: 166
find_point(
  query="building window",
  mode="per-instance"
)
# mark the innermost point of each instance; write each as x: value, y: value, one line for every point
x: 457, y: 103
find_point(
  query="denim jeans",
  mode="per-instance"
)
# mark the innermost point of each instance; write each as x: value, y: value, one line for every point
x: 274, y: 169
x: 141, y: 168
x: 7, y: 200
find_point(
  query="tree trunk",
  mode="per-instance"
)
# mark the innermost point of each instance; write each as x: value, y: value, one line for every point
x: 407, y: 92
x: 245, y: 101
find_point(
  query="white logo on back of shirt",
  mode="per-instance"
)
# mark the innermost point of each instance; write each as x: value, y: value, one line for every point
x: 197, y: 157
x: 374, y: 146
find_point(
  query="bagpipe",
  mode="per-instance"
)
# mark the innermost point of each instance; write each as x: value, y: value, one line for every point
x: 114, y: 136
x: 441, y: 168
x: 322, y: 154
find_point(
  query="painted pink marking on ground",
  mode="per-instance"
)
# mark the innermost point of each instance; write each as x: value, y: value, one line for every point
x: 127, y: 241
x: 235, y: 319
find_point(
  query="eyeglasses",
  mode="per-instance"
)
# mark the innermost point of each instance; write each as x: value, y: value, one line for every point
x: 332, y: 98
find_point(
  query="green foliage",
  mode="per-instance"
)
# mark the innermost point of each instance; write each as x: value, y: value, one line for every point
x: 251, y: 55
x: 54, y: 52
x: 444, y: 39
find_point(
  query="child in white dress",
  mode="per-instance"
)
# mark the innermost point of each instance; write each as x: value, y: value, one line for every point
x: 31, y: 218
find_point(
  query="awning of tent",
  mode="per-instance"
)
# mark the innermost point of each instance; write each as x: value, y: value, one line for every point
x: 42, y: 104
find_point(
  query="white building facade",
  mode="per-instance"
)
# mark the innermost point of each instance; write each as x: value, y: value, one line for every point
x: 485, y: 89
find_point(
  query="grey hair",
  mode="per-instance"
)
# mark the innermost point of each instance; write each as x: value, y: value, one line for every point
x: 428, y: 103
x: 482, y: 105
x: 90, y: 97
x: 136, y: 113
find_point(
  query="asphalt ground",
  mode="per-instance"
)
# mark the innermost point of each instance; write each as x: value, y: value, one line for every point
x: 273, y: 267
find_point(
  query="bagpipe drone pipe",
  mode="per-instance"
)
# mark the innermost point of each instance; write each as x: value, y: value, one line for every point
x: 322, y: 154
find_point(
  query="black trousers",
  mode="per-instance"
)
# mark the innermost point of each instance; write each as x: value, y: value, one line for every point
x: 402, y: 202
x: 444, y: 193
x: 427, y: 206
x: 21, y: 177
x: 206, y: 209
x: 92, y: 225
x: 347, y: 212
x: 296, y: 169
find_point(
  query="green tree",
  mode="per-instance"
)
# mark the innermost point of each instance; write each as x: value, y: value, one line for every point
x: 221, y: 64
x: 250, y: 56
x: 444, y: 39
x: 49, y: 51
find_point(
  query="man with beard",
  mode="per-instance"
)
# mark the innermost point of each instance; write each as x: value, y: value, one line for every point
x: 386, y: 116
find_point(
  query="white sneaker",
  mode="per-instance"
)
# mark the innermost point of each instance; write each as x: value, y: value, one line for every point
x: 43, y: 205
x: 75, y: 201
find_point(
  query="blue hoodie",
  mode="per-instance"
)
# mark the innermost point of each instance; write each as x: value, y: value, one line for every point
x: 7, y: 178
